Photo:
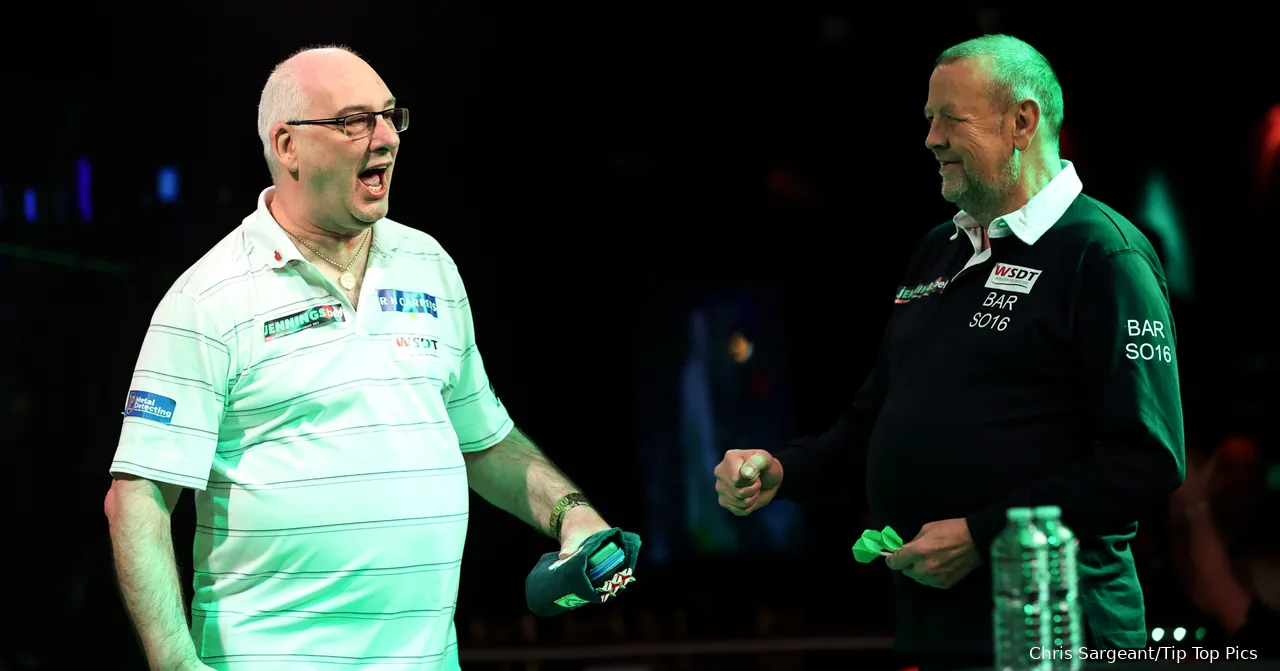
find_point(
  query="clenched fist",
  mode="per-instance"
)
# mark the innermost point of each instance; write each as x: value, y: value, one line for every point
x: 747, y: 480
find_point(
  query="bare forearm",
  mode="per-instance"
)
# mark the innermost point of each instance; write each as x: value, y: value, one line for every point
x: 142, y: 543
x: 515, y: 476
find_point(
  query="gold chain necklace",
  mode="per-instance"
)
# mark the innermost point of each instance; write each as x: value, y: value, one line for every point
x: 346, y: 279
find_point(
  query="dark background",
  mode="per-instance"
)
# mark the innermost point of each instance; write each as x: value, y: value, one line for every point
x: 597, y: 171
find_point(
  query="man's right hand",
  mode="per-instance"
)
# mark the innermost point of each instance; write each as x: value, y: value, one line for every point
x: 747, y: 480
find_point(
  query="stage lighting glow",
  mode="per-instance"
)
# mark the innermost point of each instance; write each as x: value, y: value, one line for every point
x: 740, y: 348
x: 29, y: 204
x: 84, y: 189
x: 167, y: 185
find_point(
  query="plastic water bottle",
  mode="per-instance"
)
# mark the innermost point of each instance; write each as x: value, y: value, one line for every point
x: 1062, y: 608
x: 1020, y: 581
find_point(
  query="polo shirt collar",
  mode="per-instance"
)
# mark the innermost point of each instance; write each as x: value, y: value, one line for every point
x: 269, y: 244
x: 1031, y: 221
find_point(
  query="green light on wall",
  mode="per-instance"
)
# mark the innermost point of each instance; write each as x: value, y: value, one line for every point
x: 1161, y: 213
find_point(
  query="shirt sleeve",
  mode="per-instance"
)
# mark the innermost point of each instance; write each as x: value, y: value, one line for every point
x: 176, y: 398
x: 479, y: 419
x: 1126, y: 349
x: 810, y: 463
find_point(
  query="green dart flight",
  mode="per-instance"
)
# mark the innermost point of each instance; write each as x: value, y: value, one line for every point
x: 874, y: 544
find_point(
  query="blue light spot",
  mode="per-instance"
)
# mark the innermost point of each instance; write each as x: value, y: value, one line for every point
x: 29, y: 204
x: 84, y: 191
x: 167, y: 185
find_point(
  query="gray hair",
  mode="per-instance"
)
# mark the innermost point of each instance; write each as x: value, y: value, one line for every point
x: 283, y: 99
x: 1018, y: 72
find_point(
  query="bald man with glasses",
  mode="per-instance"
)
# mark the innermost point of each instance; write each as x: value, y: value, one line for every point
x: 315, y: 379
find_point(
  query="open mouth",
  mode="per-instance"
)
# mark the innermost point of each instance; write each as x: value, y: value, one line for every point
x: 374, y: 179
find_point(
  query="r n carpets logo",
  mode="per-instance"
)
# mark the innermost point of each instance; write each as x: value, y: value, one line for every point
x: 395, y: 300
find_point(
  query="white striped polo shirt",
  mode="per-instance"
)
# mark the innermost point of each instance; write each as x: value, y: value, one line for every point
x: 325, y: 444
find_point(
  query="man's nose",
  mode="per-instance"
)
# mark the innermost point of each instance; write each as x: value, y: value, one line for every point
x: 385, y: 136
x: 934, y: 139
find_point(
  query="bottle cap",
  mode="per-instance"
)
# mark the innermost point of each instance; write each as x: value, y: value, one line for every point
x: 1048, y: 512
x: 1018, y: 514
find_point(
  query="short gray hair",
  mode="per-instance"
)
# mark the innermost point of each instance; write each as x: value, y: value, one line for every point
x: 283, y: 99
x: 1018, y: 72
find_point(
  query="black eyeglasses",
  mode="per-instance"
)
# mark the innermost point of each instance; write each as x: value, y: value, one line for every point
x: 356, y: 126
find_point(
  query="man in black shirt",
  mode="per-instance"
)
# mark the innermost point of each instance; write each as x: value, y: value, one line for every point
x: 1030, y: 359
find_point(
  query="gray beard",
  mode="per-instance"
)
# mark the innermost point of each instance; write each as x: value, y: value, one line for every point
x: 984, y: 200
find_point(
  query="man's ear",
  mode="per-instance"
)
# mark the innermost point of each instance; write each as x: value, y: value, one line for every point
x: 1026, y: 123
x: 284, y: 146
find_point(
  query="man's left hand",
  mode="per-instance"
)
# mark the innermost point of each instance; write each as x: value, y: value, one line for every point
x: 579, y: 524
x: 941, y: 555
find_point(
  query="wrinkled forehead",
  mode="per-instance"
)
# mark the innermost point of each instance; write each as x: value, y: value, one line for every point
x: 959, y: 86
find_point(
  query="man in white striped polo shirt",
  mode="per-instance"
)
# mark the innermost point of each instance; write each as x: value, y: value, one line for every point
x: 315, y: 379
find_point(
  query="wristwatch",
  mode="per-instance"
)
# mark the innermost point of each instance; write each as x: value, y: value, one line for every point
x: 565, y: 504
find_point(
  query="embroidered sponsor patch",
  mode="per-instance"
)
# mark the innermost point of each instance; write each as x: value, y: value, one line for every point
x: 301, y: 321
x: 395, y: 300
x: 1012, y: 278
x: 150, y: 406
x: 907, y: 294
x: 415, y: 347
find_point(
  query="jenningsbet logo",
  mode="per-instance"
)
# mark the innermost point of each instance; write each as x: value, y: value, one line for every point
x: 301, y: 321
x: 905, y: 295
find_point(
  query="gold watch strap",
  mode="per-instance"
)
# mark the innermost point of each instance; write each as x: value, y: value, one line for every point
x: 565, y: 504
